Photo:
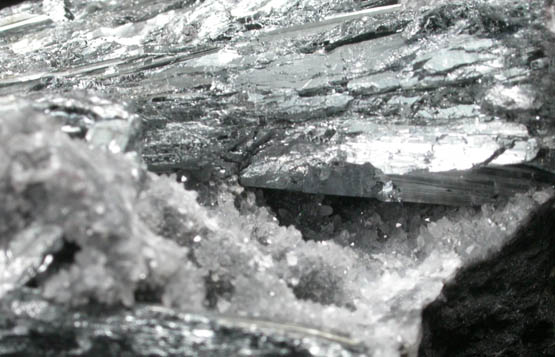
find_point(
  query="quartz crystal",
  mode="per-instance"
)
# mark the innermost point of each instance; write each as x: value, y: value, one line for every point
x: 261, y: 177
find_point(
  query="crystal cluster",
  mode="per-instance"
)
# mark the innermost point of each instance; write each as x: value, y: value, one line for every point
x: 134, y: 233
x: 238, y: 98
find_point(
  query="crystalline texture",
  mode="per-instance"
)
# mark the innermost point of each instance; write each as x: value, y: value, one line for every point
x: 317, y: 108
x: 54, y: 184
x: 136, y: 232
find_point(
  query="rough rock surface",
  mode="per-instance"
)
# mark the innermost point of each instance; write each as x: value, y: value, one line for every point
x: 503, y: 306
x: 448, y: 104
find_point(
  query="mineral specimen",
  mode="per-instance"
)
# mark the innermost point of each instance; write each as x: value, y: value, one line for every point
x: 448, y: 104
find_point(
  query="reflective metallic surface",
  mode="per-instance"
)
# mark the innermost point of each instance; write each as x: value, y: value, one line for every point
x: 442, y: 111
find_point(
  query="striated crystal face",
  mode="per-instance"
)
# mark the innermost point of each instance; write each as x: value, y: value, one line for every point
x: 261, y: 177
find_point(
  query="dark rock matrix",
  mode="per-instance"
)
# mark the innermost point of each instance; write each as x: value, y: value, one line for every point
x: 502, y: 306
